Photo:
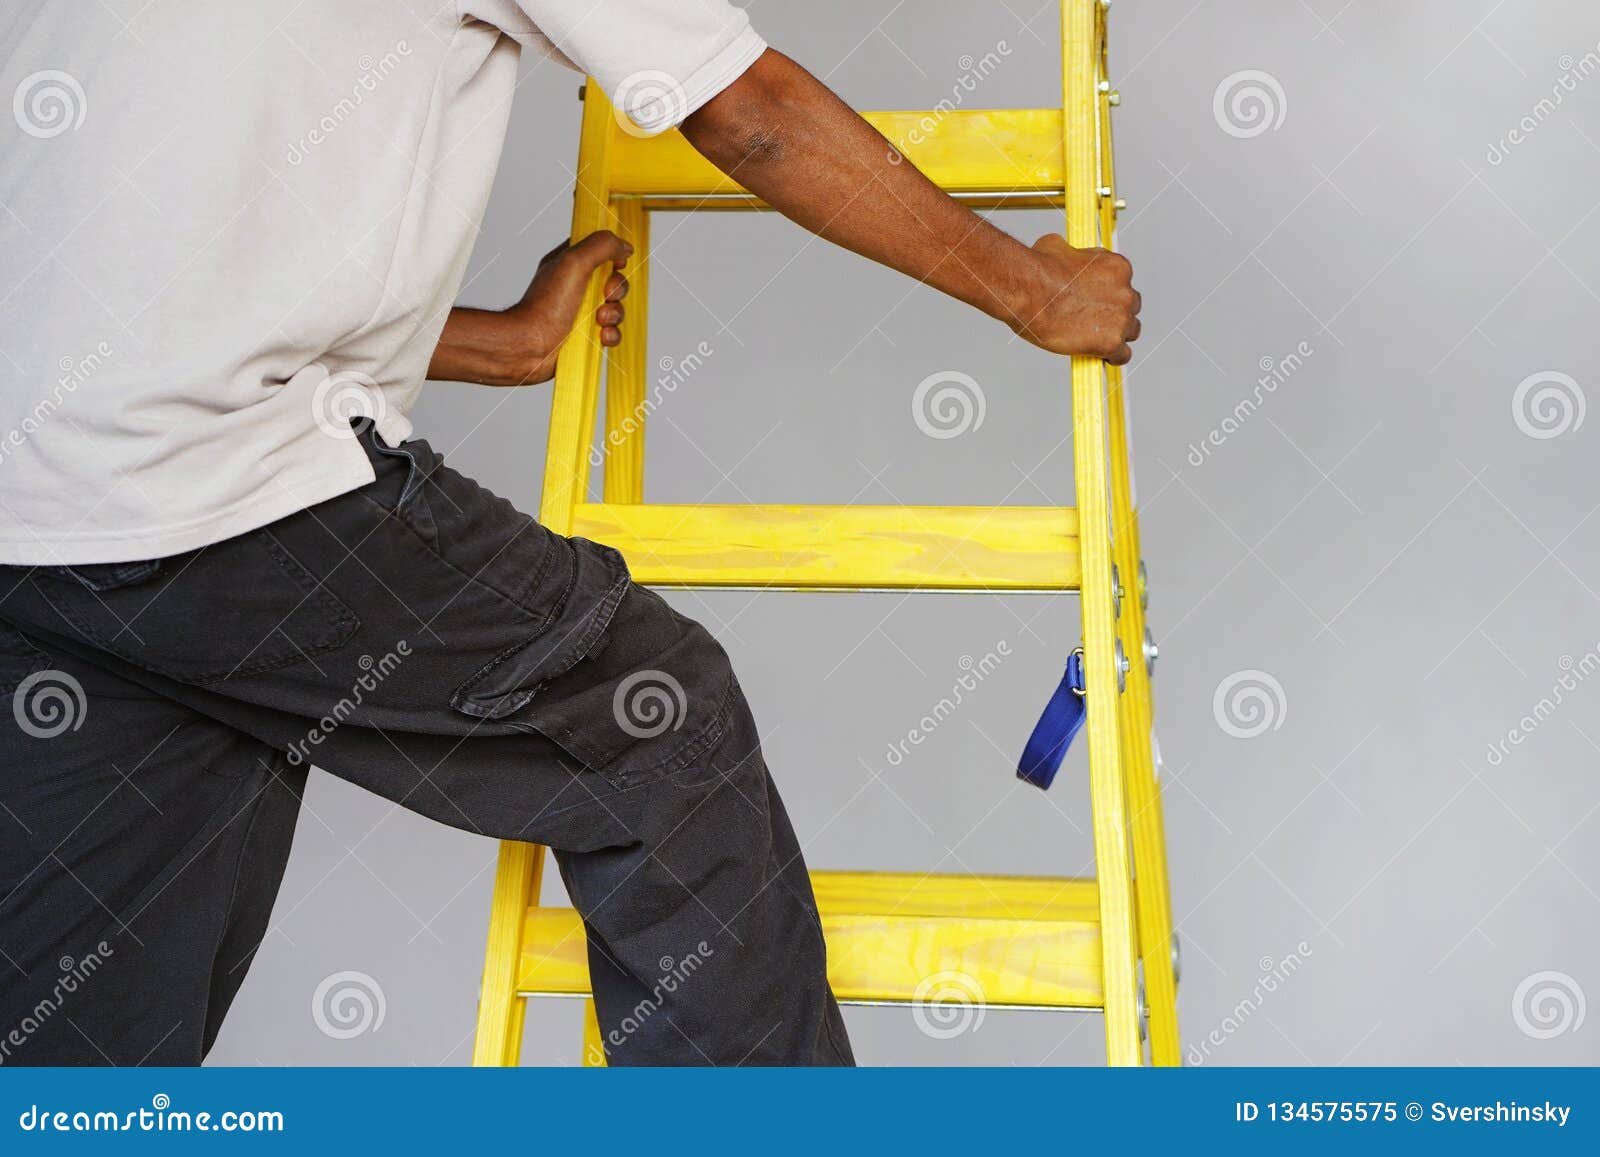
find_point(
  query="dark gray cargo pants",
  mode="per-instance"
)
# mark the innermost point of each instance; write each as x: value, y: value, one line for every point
x: 421, y: 638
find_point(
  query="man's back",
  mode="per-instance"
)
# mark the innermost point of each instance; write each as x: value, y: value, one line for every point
x: 210, y: 211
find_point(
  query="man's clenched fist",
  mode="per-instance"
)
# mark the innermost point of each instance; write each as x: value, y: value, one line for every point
x: 1082, y: 301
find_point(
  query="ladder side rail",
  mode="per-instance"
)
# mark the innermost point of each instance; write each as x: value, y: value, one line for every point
x: 1158, y: 947
x: 628, y: 367
x: 575, y: 397
x: 517, y: 877
x: 1081, y: 27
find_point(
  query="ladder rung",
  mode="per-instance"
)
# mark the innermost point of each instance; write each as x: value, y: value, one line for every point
x: 994, y: 897
x: 1015, y: 548
x: 1026, y: 941
x: 743, y: 202
x: 1000, y: 156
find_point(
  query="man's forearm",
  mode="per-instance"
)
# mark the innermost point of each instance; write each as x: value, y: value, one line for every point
x: 787, y: 138
x: 483, y: 346
x: 519, y: 346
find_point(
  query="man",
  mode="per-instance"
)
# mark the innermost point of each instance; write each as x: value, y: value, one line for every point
x: 228, y: 226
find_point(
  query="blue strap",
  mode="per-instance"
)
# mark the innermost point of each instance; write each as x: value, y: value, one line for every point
x: 1062, y: 720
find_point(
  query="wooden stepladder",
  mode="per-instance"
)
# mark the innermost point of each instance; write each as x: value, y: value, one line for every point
x: 1033, y: 942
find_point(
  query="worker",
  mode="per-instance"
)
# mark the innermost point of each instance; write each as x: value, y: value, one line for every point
x: 233, y: 234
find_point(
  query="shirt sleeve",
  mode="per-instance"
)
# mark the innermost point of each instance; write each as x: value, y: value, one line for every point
x: 658, y: 60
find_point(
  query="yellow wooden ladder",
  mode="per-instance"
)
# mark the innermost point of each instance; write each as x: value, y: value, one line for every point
x: 1031, y: 942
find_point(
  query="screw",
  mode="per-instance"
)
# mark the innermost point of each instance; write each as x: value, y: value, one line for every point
x: 1115, y: 99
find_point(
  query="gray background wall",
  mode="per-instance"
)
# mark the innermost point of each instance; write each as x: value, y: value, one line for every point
x: 1395, y: 538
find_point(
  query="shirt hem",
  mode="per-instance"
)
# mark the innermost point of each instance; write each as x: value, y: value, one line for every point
x: 286, y: 497
x: 716, y: 74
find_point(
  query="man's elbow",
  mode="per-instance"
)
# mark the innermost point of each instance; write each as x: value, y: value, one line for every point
x: 746, y: 125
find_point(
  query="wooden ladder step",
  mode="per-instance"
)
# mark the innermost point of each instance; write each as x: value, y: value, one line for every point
x: 988, y: 156
x: 898, y: 938
x: 1003, y: 548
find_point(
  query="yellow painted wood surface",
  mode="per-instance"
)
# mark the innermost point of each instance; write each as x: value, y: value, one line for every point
x: 1017, y: 152
x: 1153, y: 902
x: 897, y: 938
x: 739, y: 203
x: 1081, y: 29
x: 922, y: 547
x: 628, y: 367
x: 576, y: 393
x: 594, y: 1049
x: 992, y: 897
x: 517, y: 877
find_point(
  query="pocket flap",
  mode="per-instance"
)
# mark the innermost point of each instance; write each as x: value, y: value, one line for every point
x: 512, y: 678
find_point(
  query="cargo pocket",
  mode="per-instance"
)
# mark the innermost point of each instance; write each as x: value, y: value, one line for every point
x: 654, y: 691
x: 229, y: 610
x: 576, y: 627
